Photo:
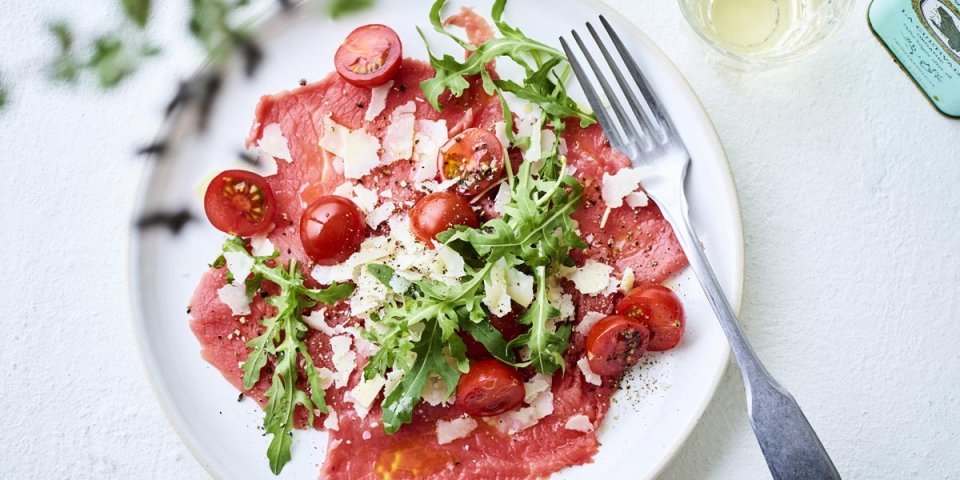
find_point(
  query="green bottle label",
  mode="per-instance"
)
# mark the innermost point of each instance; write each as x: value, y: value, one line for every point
x: 924, y: 37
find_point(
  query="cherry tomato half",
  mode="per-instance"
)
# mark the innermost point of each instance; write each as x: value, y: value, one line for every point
x: 239, y: 202
x: 489, y: 388
x: 660, y: 310
x: 475, y: 156
x: 369, y: 56
x: 440, y: 211
x: 616, y: 343
x: 331, y: 229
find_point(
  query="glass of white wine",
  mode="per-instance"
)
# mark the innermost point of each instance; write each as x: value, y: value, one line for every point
x: 755, y: 34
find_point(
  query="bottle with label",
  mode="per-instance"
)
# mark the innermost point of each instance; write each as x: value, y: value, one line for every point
x: 924, y: 38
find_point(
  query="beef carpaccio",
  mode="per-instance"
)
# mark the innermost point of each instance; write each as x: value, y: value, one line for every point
x: 556, y: 426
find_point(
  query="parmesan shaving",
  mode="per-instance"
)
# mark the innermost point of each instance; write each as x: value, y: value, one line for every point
x: 588, y: 374
x: 448, y: 431
x: 357, y: 149
x: 592, y: 278
x: 579, y: 423
x: 378, y: 101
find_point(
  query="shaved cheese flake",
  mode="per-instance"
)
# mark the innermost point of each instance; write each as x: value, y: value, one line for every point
x: 588, y: 374
x: 262, y: 246
x: 273, y: 143
x: 430, y: 136
x: 495, y: 295
x: 637, y: 199
x: 520, y: 287
x: 500, y: 131
x: 326, y: 377
x: 398, y: 140
x: 378, y: 101
x: 627, y: 280
x: 503, y: 197
x: 448, y: 431
x: 435, y: 392
x: 538, y: 384
x: 563, y: 301
x: 235, y: 297
x: 617, y: 186
x: 344, y: 359
x: 452, y: 261
x: 365, y: 198
x: 579, y: 423
x: 316, y: 321
x: 344, y: 190
x: 358, y: 149
x: 366, y: 392
x: 399, y: 284
x: 392, y: 380
x: 512, y: 422
x: 239, y: 264
x: 592, y: 278
x: 589, y: 320
x: 332, y: 422
x: 380, y: 214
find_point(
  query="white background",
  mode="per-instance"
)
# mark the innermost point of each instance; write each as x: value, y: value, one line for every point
x: 850, y: 188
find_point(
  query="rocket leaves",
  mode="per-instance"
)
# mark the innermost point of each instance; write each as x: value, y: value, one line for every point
x: 281, y: 340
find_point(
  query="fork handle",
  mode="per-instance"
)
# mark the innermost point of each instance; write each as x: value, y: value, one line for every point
x: 788, y: 442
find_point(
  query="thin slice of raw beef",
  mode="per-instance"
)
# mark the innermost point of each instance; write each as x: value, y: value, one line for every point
x: 359, y: 448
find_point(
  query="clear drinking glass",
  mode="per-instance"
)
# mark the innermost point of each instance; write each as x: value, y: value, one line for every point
x: 754, y: 34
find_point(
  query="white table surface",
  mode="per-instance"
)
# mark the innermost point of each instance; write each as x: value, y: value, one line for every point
x: 848, y: 181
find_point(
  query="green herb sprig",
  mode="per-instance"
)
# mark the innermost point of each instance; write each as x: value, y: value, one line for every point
x: 545, y: 67
x: 282, y: 341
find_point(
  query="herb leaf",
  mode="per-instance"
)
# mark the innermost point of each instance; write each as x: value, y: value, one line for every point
x: 541, y: 62
x: 398, y: 406
x: 339, y: 8
x: 282, y: 341
x: 65, y: 65
x: 138, y: 11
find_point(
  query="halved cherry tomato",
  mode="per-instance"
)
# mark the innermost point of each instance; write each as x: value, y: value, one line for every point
x: 475, y: 157
x: 239, y: 202
x: 369, y: 56
x: 331, y: 229
x: 440, y: 211
x: 616, y: 343
x: 660, y: 310
x: 489, y: 388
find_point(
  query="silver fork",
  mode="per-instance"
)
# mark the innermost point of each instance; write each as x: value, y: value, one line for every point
x: 644, y: 133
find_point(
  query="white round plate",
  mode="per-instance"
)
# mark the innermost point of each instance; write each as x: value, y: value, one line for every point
x: 645, y: 426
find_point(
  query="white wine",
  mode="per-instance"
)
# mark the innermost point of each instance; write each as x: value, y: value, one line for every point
x: 748, y: 25
x: 757, y: 31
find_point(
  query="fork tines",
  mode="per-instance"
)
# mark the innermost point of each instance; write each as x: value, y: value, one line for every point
x: 644, y: 126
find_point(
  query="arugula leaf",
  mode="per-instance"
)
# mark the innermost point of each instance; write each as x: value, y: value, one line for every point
x: 138, y: 11
x: 492, y: 340
x: 540, y: 61
x: 398, y: 406
x: 546, y: 346
x: 381, y: 272
x: 338, y: 8
x: 282, y: 341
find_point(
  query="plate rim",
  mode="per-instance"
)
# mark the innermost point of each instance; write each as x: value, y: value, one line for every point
x: 134, y: 247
